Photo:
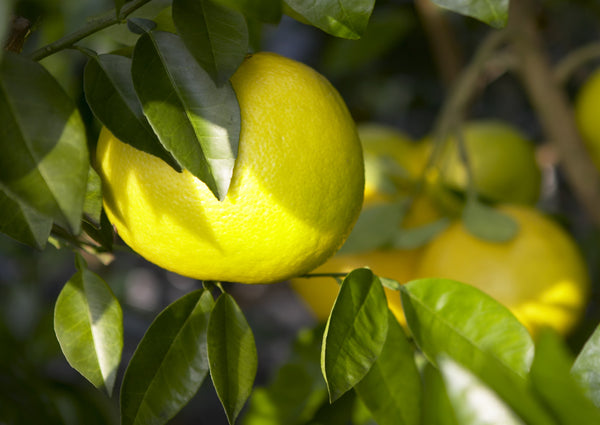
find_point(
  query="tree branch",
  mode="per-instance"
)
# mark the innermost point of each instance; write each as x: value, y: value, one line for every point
x: 91, y: 28
x: 553, y: 107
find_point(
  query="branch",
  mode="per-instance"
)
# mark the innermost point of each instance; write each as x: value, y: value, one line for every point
x: 574, y: 60
x: 19, y: 30
x: 92, y: 27
x: 553, y: 107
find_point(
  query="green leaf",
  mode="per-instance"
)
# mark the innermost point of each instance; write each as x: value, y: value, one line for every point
x: 488, y: 223
x: 198, y: 122
x: 355, y: 333
x: 110, y: 93
x: 262, y: 10
x: 23, y: 223
x: 437, y: 409
x: 392, y: 388
x: 374, y: 228
x: 473, y: 402
x: 88, y: 322
x: 231, y: 355
x: 452, y: 318
x: 6, y: 7
x: 92, y: 205
x: 492, y: 12
x: 140, y: 25
x: 215, y: 35
x: 341, y: 18
x: 169, y: 363
x: 586, y: 369
x: 103, y: 232
x: 552, y: 381
x: 418, y: 236
x: 44, y: 161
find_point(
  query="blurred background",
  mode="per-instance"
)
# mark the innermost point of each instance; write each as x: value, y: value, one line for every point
x: 397, y: 74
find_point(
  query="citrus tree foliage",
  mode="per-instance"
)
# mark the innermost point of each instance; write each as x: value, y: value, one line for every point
x: 168, y: 94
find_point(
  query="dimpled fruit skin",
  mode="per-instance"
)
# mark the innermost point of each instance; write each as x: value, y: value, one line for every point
x: 296, y: 190
x: 539, y: 275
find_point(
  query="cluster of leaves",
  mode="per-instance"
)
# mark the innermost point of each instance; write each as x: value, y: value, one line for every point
x: 468, y: 361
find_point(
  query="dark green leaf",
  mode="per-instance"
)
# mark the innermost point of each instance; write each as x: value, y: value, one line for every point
x: 374, y: 228
x: 473, y: 402
x: 462, y: 322
x: 215, y: 35
x: 355, y: 332
x: 262, y: 10
x: 140, y: 25
x: 492, y: 12
x: 23, y: 223
x: 488, y: 223
x: 392, y: 387
x: 102, y: 233
x: 92, y: 206
x: 198, y: 122
x: 341, y: 18
x: 437, y: 409
x: 418, y: 236
x: 586, y: 368
x: 169, y: 363
x: 552, y: 381
x: 44, y: 161
x: 109, y: 91
x: 231, y: 355
x: 88, y: 322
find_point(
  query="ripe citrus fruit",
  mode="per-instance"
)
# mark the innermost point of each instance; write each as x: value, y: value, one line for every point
x: 539, y: 274
x: 398, y: 161
x: 296, y: 190
x: 586, y: 114
x: 502, y: 161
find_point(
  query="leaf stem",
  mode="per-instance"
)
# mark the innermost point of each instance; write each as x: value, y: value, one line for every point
x: 92, y: 27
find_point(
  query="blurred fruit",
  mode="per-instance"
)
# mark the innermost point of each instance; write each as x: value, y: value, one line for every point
x: 586, y: 114
x: 502, y: 161
x: 296, y: 191
x: 392, y: 162
x: 539, y: 275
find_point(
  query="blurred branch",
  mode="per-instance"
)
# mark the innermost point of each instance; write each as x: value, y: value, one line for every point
x: 574, y: 60
x: 446, y: 51
x: 553, y: 107
x: 91, y: 28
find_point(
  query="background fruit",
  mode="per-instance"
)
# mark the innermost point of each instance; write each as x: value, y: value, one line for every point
x: 586, y: 114
x: 502, y: 161
x: 539, y: 275
x: 296, y: 189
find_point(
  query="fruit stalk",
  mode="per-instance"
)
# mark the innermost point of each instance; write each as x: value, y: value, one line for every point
x: 554, y: 110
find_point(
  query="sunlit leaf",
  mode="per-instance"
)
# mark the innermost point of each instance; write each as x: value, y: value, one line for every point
x: 341, y: 18
x: 169, y: 363
x: 452, y: 318
x: 215, y: 35
x: 391, y: 389
x: 23, y: 223
x: 488, y: 223
x: 473, y: 402
x: 552, y: 381
x: 197, y: 122
x: 88, y: 322
x: 586, y: 368
x: 109, y: 92
x: 492, y: 12
x: 355, y: 332
x: 231, y: 355
x: 437, y: 409
x: 44, y: 161
x: 262, y: 10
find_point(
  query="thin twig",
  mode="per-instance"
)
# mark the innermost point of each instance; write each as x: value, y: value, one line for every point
x: 91, y: 28
x: 574, y: 60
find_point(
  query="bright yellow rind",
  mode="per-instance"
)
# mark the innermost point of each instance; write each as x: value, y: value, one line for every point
x: 296, y: 190
x: 539, y: 275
